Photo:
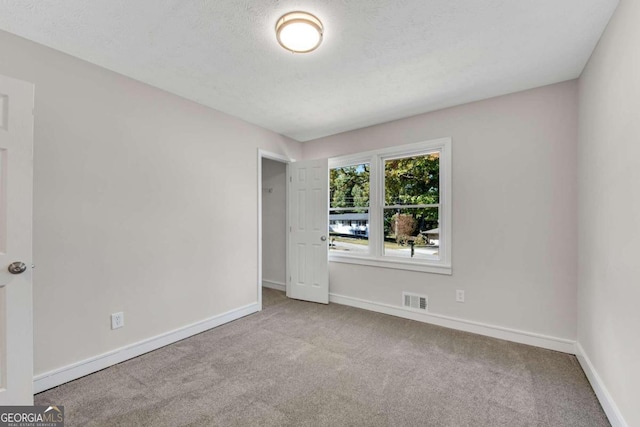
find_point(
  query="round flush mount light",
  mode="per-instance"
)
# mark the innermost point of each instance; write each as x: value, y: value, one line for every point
x: 299, y: 32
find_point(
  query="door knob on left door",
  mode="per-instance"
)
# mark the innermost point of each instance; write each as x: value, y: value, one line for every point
x: 323, y: 238
x: 17, y: 267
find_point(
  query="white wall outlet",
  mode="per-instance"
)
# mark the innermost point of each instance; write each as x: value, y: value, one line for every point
x: 117, y: 320
x: 460, y: 295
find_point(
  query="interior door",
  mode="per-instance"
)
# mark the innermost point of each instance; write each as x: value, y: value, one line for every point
x: 308, y: 230
x: 16, y: 192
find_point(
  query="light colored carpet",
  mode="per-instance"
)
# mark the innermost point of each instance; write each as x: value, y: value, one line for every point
x: 304, y: 364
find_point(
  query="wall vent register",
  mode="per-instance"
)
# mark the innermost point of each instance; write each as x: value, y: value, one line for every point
x: 414, y: 301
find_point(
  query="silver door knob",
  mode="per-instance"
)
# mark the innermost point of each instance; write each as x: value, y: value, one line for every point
x: 17, y: 267
x: 323, y: 238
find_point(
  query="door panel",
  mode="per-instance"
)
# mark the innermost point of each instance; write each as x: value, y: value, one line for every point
x: 16, y: 192
x: 308, y: 213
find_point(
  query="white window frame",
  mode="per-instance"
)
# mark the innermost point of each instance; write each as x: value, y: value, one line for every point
x: 376, y: 159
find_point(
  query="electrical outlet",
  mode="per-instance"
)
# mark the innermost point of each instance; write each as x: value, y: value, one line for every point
x: 460, y: 295
x: 117, y: 320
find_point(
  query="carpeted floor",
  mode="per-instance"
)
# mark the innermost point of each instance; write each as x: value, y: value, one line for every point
x: 304, y: 364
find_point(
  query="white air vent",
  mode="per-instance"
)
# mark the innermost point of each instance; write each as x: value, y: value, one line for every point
x: 414, y: 302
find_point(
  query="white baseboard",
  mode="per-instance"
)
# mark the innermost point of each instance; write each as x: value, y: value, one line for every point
x: 278, y: 286
x: 608, y: 404
x: 88, y: 366
x: 523, y: 337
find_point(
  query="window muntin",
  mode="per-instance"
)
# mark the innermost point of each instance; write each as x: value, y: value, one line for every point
x: 413, y: 181
x: 349, y: 188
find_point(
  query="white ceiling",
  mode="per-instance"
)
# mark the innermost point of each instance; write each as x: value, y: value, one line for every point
x: 380, y: 60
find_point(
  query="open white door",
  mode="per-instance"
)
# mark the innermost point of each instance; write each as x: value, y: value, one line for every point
x: 309, y: 225
x: 16, y: 212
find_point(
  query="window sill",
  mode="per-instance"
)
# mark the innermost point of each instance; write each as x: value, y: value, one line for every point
x: 392, y: 263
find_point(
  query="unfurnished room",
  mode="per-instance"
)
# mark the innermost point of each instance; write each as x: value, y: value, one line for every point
x: 320, y: 213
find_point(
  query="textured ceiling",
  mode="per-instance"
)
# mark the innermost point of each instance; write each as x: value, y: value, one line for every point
x: 380, y: 60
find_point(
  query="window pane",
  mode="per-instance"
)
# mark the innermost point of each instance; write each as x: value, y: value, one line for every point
x: 349, y: 186
x: 412, y: 180
x: 412, y: 233
x: 349, y: 231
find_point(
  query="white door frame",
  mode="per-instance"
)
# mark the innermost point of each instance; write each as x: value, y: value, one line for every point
x: 263, y: 154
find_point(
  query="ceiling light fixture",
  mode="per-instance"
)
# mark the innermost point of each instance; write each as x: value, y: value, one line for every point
x: 299, y: 32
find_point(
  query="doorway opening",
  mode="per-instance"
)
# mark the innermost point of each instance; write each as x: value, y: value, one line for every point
x: 272, y: 222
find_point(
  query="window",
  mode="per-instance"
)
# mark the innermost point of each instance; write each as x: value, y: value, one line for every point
x: 349, y: 208
x: 392, y: 207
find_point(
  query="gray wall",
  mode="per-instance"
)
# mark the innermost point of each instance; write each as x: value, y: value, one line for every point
x: 144, y: 203
x: 609, y: 176
x: 514, y: 211
x: 274, y: 219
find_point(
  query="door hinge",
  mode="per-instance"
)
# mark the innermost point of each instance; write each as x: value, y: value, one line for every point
x: 290, y: 179
x: 290, y: 229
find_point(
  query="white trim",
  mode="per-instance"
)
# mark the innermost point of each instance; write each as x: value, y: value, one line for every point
x: 287, y: 230
x: 608, y: 404
x: 390, y: 262
x: 278, y: 286
x: 522, y: 337
x: 262, y: 154
x: 93, y: 364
